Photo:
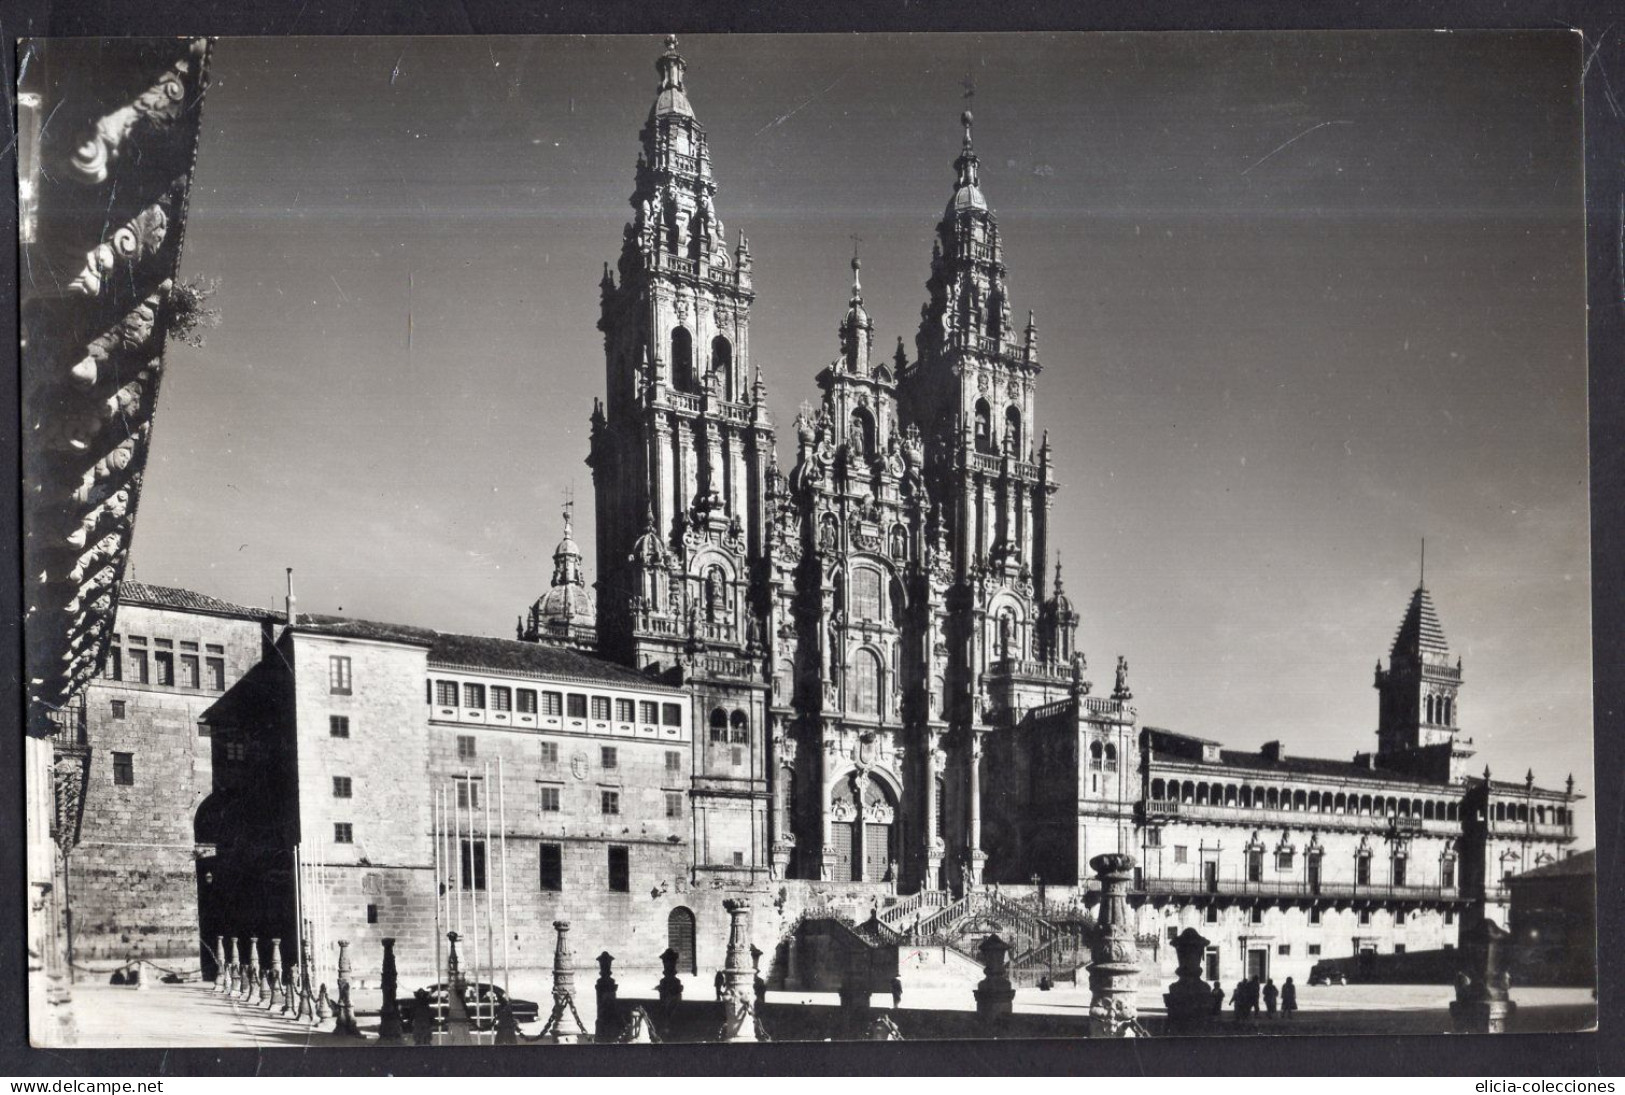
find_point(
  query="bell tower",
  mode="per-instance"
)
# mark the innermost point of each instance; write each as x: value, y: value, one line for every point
x: 681, y: 451
x: 1417, y: 713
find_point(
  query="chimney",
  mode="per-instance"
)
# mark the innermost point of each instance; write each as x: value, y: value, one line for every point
x: 292, y: 614
x: 1272, y: 751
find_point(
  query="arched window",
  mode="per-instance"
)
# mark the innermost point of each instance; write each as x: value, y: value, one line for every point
x: 739, y: 728
x: 1111, y: 757
x: 1230, y: 794
x: 1159, y: 790
x: 719, y: 726
x: 1272, y: 798
x: 1096, y: 754
x: 1201, y: 794
x: 722, y: 360
x: 669, y: 217
x: 863, y: 685
x: 682, y: 359
x: 866, y: 604
x: 861, y: 433
x: 939, y: 693
x: 1012, y: 432
x: 984, y: 427
x: 1450, y: 813
x: 680, y: 938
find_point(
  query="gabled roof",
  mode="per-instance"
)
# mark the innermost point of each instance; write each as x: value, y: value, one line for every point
x: 1419, y: 632
x: 482, y: 652
x: 1580, y: 863
x: 185, y: 600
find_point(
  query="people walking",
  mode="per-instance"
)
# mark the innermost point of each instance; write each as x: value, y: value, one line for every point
x: 1271, y: 993
x: 720, y: 982
x: 1289, y: 998
x: 1238, y: 1000
x: 1252, y: 995
x: 896, y: 992
x: 1218, y: 997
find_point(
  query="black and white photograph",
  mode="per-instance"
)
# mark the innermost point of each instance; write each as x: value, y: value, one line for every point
x: 773, y: 538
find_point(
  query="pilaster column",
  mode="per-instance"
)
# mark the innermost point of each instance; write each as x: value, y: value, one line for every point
x: 976, y: 855
x: 1115, y: 972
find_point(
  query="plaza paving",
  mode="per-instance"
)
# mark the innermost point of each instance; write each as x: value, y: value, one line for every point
x: 190, y: 1015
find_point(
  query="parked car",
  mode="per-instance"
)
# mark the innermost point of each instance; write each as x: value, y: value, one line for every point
x: 482, y: 1000
x: 1325, y: 973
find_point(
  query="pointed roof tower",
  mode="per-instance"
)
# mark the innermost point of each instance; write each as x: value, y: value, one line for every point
x: 857, y: 329
x: 1419, y: 632
x: 566, y: 613
x: 1418, y: 690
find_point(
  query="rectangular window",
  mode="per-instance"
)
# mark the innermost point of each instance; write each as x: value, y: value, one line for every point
x: 138, y: 667
x: 552, y: 860
x: 674, y: 761
x: 1181, y: 853
x: 600, y: 708
x: 527, y: 701
x: 235, y: 750
x: 118, y: 709
x: 1365, y: 918
x: 674, y: 805
x: 1449, y: 917
x: 1255, y: 865
x: 1173, y: 933
x: 552, y: 798
x: 1314, y: 950
x: 474, y: 696
x: 338, y: 675
x: 124, y: 769
x: 164, y: 661
x: 575, y: 705
x: 1362, y: 871
x: 736, y: 756
x: 215, y: 669
x: 1447, y: 874
x: 1283, y: 861
x: 212, y: 648
x: 1212, y: 914
x: 341, y: 787
x: 1399, y: 918
x: 338, y: 726
x: 1399, y: 870
x: 1258, y: 914
x: 1283, y: 949
x: 608, y: 756
x: 473, y: 865
x: 1153, y: 838
x: 739, y: 859
x: 204, y: 729
x: 552, y: 704
x: 189, y: 671
x: 1399, y: 948
x: 609, y: 803
x: 466, y: 747
x: 1314, y: 914
x: 550, y: 752
x: 648, y: 712
x: 445, y: 693
x: 624, y: 711
x: 620, y: 869
x: 671, y: 714
x: 501, y: 698
x: 372, y: 914
x: 189, y: 646
x: 468, y: 793
x: 342, y: 833
x: 114, y: 668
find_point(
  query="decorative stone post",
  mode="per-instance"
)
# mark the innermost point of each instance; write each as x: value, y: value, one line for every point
x: 324, y: 1007
x: 1115, y: 970
x: 390, y: 1031
x: 219, y: 964
x: 1189, y: 1000
x: 738, y: 976
x: 459, y: 1026
x: 285, y: 972
x: 1482, y: 1004
x: 607, y: 1025
x: 273, y: 974
x: 226, y: 980
x: 559, y: 1029
x: 670, y: 987
x: 343, y: 1012
x: 252, y: 996
x: 995, y: 996
x: 307, y: 993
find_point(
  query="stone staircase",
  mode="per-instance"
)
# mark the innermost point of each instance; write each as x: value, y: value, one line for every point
x: 1039, y: 946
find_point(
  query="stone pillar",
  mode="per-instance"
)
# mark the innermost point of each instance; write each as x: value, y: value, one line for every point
x: 459, y: 1026
x: 995, y: 996
x: 670, y: 987
x: 564, y: 1025
x: 1190, y: 999
x: 1115, y: 970
x: 225, y: 981
x: 252, y: 993
x: 273, y: 975
x: 343, y: 1012
x: 390, y: 1031
x: 977, y: 858
x: 1483, y: 1004
x: 307, y: 994
x: 739, y: 990
x: 219, y: 964
x: 607, y: 1025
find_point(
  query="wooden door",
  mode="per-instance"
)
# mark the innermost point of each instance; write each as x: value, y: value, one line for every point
x: 847, y: 862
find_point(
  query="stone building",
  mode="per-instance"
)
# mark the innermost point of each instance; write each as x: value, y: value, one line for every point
x: 849, y: 688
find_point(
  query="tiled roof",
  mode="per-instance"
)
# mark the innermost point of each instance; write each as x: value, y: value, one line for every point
x: 1316, y: 766
x: 151, y: 596
x: 483, y: 652
x: 1167, y: 733
x: 1580, y: 863
x: 1419, y: 631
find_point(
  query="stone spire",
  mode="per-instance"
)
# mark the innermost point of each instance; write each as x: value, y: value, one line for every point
x: 1418, y: 690
x: 857, y: 329
x: 671, y: 98
x: 567, y: 556
x: 567, y: 612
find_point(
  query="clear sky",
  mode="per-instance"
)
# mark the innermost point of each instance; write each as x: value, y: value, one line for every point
x: 1303, y: 299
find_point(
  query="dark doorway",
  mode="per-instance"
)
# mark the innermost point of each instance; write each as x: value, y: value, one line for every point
x: 1258, y: 962
x: 680, y: 938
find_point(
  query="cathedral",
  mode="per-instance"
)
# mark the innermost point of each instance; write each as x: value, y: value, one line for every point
x: 865, y: 620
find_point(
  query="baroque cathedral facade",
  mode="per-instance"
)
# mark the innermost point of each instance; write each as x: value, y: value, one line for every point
x: 854, y: 627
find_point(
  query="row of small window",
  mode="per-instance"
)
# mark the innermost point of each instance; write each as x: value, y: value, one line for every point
x: 472, y: 873
x: 575, y: 705
x: 1256, y: 916
x: 130, y: 660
